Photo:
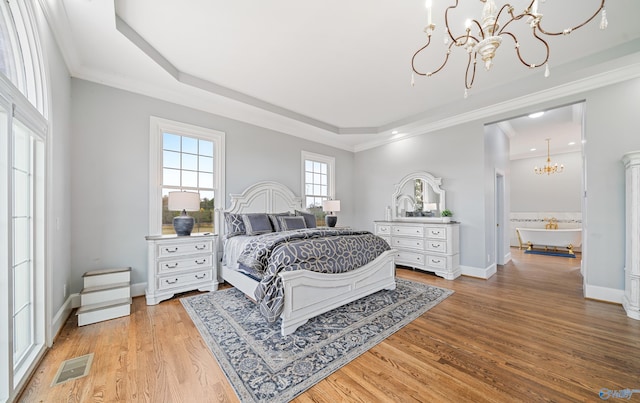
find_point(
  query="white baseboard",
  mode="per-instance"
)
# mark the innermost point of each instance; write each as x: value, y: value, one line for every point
x: 507, y: 258
x: 604, y: 294
x: 73, y: 302
x: 478, y: 272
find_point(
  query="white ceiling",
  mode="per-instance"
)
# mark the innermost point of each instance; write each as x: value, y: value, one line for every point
x: 335, y: 71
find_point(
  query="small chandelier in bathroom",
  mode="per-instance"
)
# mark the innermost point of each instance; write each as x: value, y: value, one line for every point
x: 548, y: 168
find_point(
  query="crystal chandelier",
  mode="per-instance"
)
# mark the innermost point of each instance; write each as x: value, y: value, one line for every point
x: 548, y: 168
x: 490, y: 34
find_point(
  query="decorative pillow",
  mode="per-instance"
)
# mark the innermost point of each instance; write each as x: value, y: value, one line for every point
x: 274, y: 220
x: 291, y: 223
x: 309, y: 219
x: 234, y: 225
x: 257, y: 224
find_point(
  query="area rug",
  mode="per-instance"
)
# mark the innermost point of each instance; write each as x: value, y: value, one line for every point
x: 263, y: 366
x: 549, y: 253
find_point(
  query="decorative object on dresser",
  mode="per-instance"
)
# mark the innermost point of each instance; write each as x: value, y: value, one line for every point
x: 631, y: 300
x: 178, y: 264
x: 420, y: 232
x: 303, y: 294
x: 331, y: 206
x: 183, y: 201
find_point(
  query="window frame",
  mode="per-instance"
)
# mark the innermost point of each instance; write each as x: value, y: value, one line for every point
x: 330, y: 161
x: 159, y: 126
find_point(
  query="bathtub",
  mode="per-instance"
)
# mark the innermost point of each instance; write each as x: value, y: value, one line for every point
x: 569, y: 238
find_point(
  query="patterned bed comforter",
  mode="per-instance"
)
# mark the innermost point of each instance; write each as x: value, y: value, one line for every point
x: 321, y: 250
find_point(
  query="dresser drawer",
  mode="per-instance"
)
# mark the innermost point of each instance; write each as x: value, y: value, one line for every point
x: 410, y: 259
x: 177, y: 249
x: 410, y: 243
x: 383, y: 230
x: 436, y: 245
x: 438, y: 262
x: 173, y: 265
x: 407, y: 230
x: 179, y: 280
x: 436, y: 232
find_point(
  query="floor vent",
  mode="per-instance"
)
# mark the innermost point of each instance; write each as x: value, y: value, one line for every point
x: 73, y: 369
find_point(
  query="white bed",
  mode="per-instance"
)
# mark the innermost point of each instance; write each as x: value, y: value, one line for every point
x: 306, y: 293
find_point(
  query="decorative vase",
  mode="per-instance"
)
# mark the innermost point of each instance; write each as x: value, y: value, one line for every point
x: 183, y: 224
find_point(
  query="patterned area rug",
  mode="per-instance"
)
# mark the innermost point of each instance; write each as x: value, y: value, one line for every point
x: 264, y: 366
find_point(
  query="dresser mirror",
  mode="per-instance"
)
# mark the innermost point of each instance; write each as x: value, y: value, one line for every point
x: 418, y: 197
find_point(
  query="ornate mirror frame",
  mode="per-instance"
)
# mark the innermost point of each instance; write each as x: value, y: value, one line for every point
x: 399, y: 196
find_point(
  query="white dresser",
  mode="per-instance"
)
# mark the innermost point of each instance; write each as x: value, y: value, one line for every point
x: 433, y: 247
x: 180, y: 263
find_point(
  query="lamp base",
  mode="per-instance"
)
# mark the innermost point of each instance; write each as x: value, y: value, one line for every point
x: 331, y: 220
x: 183, y: 224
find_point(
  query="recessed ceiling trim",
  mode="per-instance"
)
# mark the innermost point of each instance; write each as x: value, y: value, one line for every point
x: 597, y: 81
x: 212, y: 87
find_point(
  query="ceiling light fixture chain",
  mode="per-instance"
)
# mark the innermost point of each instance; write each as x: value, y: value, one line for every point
x: 490, y: 36
x: 548, y: 168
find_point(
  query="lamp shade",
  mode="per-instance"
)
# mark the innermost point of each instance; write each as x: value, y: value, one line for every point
x: 431, y: 206
x: 331, y: 205
x: 189, y: 201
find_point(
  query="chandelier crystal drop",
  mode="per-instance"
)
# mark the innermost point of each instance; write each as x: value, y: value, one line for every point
x: 548, y: 168
x: 489, y: 32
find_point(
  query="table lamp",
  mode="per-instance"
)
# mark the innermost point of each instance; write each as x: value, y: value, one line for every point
x: 331, y: 206
x: 185, y: 201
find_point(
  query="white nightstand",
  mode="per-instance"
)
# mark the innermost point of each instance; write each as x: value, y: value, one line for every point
x: 180, y: 263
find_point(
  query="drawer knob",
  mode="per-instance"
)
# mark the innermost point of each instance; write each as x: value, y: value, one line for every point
x: 201, y: 247
x: 435, y: 232
x: 203, y: 261
x: 201, y: 276
x: 172, y: 250
x: 435, y: 245
x: 175, y: 280
x: 435, y: 261
x: 171, y: 266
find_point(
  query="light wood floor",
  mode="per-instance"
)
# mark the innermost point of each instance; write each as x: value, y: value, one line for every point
x: 526, y: 334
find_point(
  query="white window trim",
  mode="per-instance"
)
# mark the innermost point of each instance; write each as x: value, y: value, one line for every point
x: 158, y: 126
x: 331, y: 164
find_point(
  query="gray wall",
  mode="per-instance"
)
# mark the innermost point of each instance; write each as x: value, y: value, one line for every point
x: 454, y: 154
x: 556, y: 192
x: 59, y: 154
x: 110, y: 165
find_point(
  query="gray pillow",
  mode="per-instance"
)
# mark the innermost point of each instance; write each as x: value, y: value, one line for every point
x: 234, y: 225
x: 257, y: 224
x: 274, y: 220
x: 291, y: 223
x: 309, y: 219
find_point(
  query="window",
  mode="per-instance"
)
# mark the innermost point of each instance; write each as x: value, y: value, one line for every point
x: 185, y: 158
x: 23, y: 149
x: 318, y: 182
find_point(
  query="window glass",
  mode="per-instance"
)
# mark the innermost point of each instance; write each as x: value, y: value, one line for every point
x: 188, y: 165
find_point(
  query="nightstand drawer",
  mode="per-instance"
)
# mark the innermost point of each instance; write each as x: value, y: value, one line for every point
x: 177, y: 249
x: 411, y: 243
x: 172, y: 265
x: 195, y: 277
